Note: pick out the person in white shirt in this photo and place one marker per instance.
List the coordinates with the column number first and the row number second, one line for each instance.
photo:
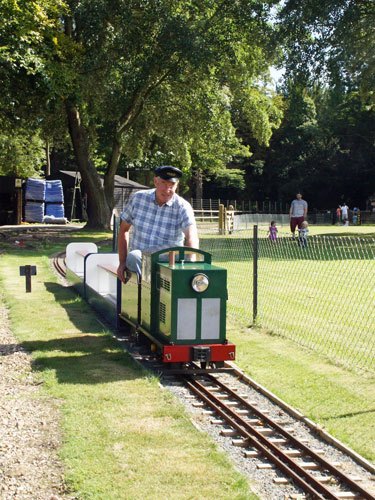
column 303, row 232
column 344, row 213
column 297, row 213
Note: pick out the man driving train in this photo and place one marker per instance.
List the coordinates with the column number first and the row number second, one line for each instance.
column 160, row 218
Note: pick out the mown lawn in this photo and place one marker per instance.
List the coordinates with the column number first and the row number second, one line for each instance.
column 117, row 420
column 124, row 437
column 321, row 296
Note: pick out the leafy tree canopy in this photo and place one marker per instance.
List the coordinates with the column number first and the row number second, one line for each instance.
column 166, row 76
column 28, row 40
column 21, row 154
column 172, row 61
column 137, row 77
column 333, row 39
column 28, row 46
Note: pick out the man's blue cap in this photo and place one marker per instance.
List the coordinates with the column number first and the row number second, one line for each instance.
column 168, row 173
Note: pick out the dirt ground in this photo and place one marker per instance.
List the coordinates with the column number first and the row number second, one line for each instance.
column 32, row 236
column 29, row 428
column 30, row 435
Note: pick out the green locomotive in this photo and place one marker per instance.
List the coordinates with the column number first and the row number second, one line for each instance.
column 180, row 305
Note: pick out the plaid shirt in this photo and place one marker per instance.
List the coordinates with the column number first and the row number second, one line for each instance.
column 155, row 226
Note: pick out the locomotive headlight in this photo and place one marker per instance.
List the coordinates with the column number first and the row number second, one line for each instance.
column 200, row 283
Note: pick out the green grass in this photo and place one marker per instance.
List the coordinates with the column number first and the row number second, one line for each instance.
column 335, row 230
column 115, row 417
column 320, row 297
column 123, row 436
column 340, row 401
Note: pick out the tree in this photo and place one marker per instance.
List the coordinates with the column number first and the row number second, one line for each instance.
column 324, row 147
column 333, row 39
column 22, row 154
column 27, row 50
column 325, row 144
column 136, row 61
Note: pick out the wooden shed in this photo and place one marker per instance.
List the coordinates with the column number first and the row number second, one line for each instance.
column 74, row 193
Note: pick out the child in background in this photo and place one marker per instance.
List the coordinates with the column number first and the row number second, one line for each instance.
column 303, row 232
column 273, row 231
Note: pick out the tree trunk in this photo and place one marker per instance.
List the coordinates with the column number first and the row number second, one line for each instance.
column 98, row 210
column 48, row 160
column 198, row 181
column 109, row 178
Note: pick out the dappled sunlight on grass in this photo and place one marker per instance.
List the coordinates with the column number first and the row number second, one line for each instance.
column 124, row 437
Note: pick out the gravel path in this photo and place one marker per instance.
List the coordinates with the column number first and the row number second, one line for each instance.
column 29, row 428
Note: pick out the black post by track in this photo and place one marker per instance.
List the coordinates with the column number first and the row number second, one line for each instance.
column 116, row 227
column 28, row 271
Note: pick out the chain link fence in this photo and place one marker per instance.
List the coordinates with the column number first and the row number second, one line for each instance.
column 321, row 296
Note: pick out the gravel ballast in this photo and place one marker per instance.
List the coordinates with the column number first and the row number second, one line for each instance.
column 262, row 480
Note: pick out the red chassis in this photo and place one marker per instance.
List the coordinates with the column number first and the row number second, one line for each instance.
column 183, row 353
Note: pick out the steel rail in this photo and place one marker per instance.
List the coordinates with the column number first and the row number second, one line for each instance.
column 318, row 458
column 258, row 441
column 291, row 468
column 300, row 417
column 57, row 265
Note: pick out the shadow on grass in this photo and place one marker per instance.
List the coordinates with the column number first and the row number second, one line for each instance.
column 94, row 357
column 352, row 414
column 80, row 313
column 90, row 369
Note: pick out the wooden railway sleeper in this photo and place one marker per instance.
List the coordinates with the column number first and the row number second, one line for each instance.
column 301, row 477
column 314, row 455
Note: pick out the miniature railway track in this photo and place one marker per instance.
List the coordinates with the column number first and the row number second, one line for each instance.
column 59, row 265
column 269, row 440
column 274, row 442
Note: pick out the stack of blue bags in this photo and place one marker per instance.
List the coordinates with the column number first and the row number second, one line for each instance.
column 35, row 196
column 44, row 201
column 34, row 212
column 35, row 189
column 54, row 199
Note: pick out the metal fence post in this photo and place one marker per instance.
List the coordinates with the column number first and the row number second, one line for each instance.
column 255, row 273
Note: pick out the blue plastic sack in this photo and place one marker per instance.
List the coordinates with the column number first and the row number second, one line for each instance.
column 34, row 211
column 35, row 189
column 55, row 209
column 54, row 191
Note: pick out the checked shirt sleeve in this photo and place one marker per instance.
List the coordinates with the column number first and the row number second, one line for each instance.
column 187, row 215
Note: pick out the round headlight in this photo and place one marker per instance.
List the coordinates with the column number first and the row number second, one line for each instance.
column 200, row 283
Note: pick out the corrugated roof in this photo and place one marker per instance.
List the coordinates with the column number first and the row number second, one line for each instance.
column 119, row 181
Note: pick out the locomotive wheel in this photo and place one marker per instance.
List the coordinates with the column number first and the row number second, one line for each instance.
column 125, row 329
column 142, row 340
column 218, row 364
column 175, row 366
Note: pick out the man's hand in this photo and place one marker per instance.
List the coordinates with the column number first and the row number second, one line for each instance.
column 123, row 273
column 123, row 243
